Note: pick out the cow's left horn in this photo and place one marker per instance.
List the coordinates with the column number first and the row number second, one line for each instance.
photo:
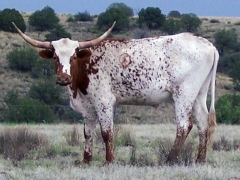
column 33, row 42
column 87, row 44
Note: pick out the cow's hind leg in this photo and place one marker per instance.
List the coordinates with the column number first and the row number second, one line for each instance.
column 206, row 122
column 184, row 125
column 201, row 114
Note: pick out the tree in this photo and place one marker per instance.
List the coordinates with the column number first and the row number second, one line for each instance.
column 57, row 32
column 174, row 14
column 25, row 110
column 7, row 16
column 106, row 19
column 228, row 109
column 22, row 58
column 43, row 69
column 190, row 22
column 128, row 11
column 226, row 41
column 151, row 17
column 43, row 20
column 83, row 16
column 47, row 91
column 171, row 26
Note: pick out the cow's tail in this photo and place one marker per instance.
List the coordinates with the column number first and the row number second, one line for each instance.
column 212, row 123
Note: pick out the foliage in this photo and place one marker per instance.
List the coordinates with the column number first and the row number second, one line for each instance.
column 190, row 22
column 18, row 143
column 57, row 32
column 141, row 33
column 43, row 20
column 174, row 14
column 228, row 109
column 214, row 21
column 106, row 19
column 7, row 16
column 151, row 17
column 83, row 16
column 47, row 91
column 27, row 110
column 171, row 26
column 229, row 64
column 226, row 41
column 22, row 58
column 43, row 69
column 128, row 11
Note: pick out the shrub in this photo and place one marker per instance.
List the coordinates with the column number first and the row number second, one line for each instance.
column 28, row 110
column 43, row 68
column 83, row 16
column 128, row 11
column 228, row 109
column 44, row 20
column 151, row 17
column 47, row 91
column 7, row 16
column 214, row 21
column 106, row 19
column 190, row 22
column 57, row 32
column 18, row 143
column 226, row 41
column 174, row 14
column 171, row 26
column 22, row 59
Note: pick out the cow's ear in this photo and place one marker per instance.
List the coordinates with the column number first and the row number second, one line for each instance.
column 83, row 53
column 46, row 53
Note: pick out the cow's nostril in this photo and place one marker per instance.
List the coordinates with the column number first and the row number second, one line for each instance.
column 63, row 80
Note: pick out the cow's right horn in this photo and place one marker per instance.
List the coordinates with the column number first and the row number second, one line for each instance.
column 33, row 42
column 87, row 44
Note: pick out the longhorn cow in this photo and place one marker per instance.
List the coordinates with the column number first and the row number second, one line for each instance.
column 104, row 72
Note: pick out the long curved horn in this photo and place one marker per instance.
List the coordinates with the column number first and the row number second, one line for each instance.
column 33, row 42
column 87, row 44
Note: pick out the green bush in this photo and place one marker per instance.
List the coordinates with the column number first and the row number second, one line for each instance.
column 83, row 16
column 112, row 14
column 228, row 109
column 7, row 16
column 44, row 20
column 57, row 32
column 171, row 26
column 43, row 68
column 174, row 14
column 226, row 41
column 47, row 91
column 124, row 8
column 28, row 110
column 151, row 17
column 190, row 22
column 214, row 21
column 22, row 59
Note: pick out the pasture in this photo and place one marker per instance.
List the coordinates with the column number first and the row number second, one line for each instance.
column 139, row 154
column 141, row 143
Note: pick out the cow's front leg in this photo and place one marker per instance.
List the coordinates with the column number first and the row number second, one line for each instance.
column 105, row 114
column 89, row 129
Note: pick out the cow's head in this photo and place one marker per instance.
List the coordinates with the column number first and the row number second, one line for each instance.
column 64, row 52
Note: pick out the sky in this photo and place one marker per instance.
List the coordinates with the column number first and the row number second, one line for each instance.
column 223, row 8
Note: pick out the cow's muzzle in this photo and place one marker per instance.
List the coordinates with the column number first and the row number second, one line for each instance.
column 63, row 80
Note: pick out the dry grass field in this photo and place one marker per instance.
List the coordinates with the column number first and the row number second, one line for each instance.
column 140, row 144
column 136, row 159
